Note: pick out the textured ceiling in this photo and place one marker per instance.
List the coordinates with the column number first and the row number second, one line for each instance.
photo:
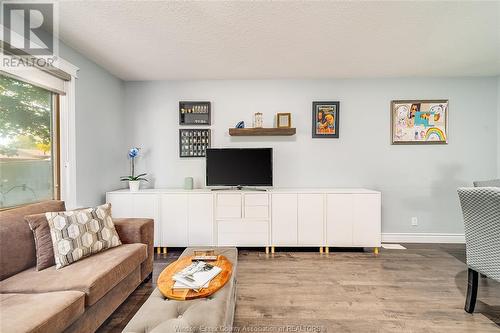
column 152, row 40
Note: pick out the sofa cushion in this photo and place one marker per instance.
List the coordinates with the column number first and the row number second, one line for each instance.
column 95, row 275
column 81, row 233
column 17, row 246
column 43, row 242
column 214, row 313
column 47, row 312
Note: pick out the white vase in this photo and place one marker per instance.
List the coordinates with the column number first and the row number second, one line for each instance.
column 133, row 185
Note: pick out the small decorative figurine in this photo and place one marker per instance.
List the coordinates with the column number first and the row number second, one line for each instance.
column 258, row 120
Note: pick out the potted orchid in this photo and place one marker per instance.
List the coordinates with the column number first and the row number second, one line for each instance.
column 133, row 181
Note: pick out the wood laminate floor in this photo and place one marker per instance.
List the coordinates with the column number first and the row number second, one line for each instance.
column 420, row 289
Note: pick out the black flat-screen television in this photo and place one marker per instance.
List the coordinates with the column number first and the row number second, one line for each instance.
column 239, row 167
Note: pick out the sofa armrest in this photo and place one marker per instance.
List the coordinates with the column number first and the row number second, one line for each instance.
column 138, row 230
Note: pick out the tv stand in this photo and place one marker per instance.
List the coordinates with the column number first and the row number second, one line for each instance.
column 239, row 188
column 280, row 217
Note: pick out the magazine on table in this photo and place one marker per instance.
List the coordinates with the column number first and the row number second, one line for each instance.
column 196, row 276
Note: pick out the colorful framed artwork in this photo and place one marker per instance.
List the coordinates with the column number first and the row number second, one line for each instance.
column 325, row 119
column 419, row 121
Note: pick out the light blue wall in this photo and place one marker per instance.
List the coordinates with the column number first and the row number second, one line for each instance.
column 415, row 180
column 100, row 129
column 420, row 181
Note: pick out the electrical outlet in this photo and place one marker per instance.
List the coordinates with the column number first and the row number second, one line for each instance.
column 414, row 221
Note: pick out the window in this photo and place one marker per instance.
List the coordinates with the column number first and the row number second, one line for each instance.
column 29, row 153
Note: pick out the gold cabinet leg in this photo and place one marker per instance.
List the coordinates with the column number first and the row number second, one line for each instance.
column 272, row 249
column 375, row 250
column 327, row 249
column 267, row 249
column 321, row 249
column 164, row 250
column 158, row 250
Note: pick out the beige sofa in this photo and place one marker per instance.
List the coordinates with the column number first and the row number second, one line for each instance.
column 75, row 298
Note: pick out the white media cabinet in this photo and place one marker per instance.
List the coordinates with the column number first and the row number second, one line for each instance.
column 278, row 217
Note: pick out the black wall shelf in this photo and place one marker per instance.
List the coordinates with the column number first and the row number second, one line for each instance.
column 194, row 113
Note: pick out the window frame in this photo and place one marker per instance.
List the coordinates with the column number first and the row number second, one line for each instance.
column 55, row 145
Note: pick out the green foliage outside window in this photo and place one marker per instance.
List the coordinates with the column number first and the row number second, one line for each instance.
column 26, row 156
column 25, row 117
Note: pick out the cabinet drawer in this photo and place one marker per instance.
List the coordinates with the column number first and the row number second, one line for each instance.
column 229, row 239
column 238, row 226
column 238, row 233
column 228, row 212
column 229, row 200
column 256, row 199
column 252, row 212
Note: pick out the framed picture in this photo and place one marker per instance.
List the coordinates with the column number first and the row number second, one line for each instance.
column 193, row 142
column 419, row 121
column 284, row 120
column 325, row 120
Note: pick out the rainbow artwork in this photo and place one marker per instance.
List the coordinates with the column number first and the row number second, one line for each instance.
column 419, row 121
column 435, row 134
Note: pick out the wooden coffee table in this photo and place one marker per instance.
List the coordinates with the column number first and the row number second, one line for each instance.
column 165, row 282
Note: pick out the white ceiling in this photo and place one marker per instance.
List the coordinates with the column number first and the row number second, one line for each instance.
column 153, row 40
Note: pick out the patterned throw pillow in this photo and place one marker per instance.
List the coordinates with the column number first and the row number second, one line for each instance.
column 80, row 233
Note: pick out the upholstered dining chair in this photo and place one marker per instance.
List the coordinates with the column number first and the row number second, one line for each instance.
column 481, row 213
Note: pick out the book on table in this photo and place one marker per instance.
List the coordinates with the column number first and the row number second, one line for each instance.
column 195, row 276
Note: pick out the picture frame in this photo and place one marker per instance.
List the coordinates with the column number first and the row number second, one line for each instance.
column 325, row 119
column 283, row 120
column 419, row 121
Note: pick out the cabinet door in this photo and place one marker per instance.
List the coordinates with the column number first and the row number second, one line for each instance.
column 174, row 219
column 200, row 223
column 121, row 204
column 284, row 219
column 146, row 206
column 339, row 219
column 310, row 219
column 366, row 220
column 228, row 206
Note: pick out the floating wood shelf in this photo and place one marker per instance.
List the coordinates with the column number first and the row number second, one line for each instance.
column 261, row 131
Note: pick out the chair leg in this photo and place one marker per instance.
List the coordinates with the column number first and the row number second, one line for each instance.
column 470, row 300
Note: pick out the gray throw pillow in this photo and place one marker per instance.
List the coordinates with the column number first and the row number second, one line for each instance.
column 43, row 242
column 81, row 233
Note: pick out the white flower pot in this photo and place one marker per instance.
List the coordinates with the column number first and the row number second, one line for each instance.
column 134, row 185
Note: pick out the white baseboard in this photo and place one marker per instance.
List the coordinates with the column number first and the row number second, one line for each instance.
column 422, row 238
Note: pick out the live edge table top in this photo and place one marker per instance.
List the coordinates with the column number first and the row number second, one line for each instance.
column 165, row 282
